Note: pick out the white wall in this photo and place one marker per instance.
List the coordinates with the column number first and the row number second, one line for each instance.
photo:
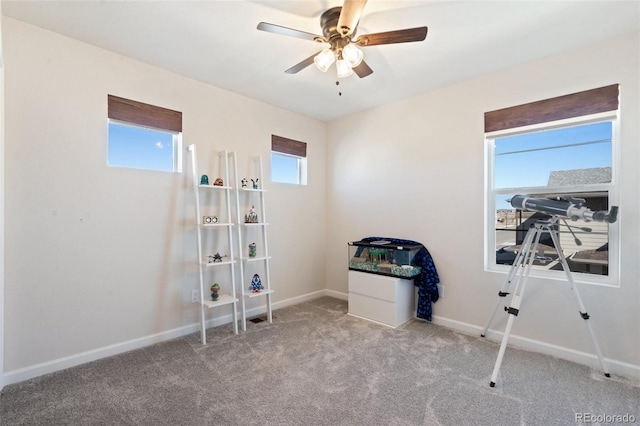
column 99, row 259
column 414, row 170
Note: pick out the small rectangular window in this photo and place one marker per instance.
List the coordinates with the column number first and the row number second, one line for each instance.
column 143, row 136
column 288, row 161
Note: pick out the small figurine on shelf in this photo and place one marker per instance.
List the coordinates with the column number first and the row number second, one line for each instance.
column 244, row 182
column 218, row 182
column 255, row 183
column 215, row 288
column 252, row 250
column 216, row 257
column 252, row 216
column 209, row 220
column 204, row 180
column 256, row 284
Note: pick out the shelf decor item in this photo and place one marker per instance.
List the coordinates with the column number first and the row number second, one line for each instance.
column 256, row 284
column 216, row 257
column 252, row 250
column 255, row 183
column 244, row 182
column 252, row 216
column 204, row 180
column 215, row 289
column 209, row 219
column 218, row 182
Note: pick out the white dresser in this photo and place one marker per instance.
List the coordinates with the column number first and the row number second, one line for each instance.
column 387, row 300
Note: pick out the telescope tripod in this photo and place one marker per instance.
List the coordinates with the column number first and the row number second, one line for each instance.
column 520, row 273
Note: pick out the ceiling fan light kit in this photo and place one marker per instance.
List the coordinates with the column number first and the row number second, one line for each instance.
column 324, row 59
column 343, row 68
column 347, row 58
column 352, row 55
column 339, row 26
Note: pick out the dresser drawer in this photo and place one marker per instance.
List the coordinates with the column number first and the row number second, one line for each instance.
column 387, row 300
column 373, row 309
column 372, row 285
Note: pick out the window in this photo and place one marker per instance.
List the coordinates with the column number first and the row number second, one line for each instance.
column 144, row 136
column 558, row 147
column 288, row 161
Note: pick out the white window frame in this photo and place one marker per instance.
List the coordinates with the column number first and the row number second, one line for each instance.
column 613, row 277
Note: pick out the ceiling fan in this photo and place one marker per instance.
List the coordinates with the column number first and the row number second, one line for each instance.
column 339, row 25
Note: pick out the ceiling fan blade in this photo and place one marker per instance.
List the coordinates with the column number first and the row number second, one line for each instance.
column 362, row 70
column 277, row 29
column 350, row 16
column 301, row 65
column 389, row 37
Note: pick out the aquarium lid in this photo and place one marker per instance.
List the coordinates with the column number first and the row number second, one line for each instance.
column 386, row 244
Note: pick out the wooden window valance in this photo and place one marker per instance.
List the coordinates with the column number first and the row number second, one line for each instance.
column 144, row 114
column 593, row 101
column 288, row 146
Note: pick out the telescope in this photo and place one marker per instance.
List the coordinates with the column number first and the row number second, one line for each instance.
column 567, row 206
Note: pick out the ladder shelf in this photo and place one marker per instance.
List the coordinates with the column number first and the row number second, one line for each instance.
column 252, row 229
column 210, row 233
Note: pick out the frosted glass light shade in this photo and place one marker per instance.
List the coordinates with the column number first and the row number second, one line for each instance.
column 344, row 69
column 352, row 54
column 324, row 59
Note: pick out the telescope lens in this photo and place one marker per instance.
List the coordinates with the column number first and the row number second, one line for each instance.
column 517, row 201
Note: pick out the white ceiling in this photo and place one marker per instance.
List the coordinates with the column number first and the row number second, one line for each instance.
column 217, row 42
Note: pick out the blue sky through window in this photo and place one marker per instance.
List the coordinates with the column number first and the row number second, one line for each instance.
column 141, row 148
column 527, row 160
column 284, row 169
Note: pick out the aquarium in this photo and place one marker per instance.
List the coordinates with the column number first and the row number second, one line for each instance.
column 384, row 257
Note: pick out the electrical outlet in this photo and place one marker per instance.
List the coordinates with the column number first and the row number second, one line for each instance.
column 441, row 291
column 195, row 297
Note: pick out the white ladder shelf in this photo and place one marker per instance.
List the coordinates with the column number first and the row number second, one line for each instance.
column 247, row 196
column 204, row 231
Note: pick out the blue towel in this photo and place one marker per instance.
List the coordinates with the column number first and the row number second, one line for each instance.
column 428, row 280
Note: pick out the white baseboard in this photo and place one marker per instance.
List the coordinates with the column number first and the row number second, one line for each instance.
column 620, row 368
column 296, row 300
column 59, row 364
column 337, row 294
column 26, row 373
column 36, row 370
